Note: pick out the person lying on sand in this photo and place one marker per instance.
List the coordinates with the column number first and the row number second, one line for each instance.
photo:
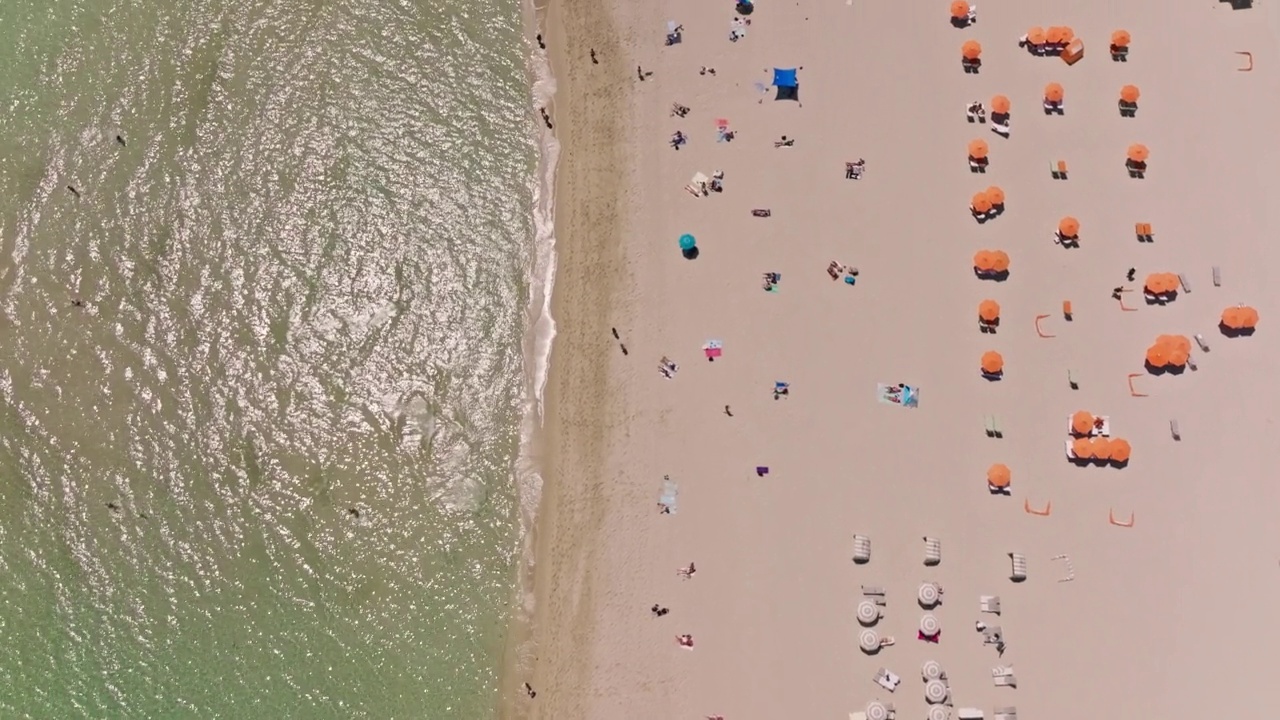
column 687, row 572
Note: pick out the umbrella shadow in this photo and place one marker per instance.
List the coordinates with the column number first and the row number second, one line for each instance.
column 992, row 275
column 1002, row 491
column 992, row 377
column 691, row 254
column 1164, row 299
column 1137, row 170
column 1234, row 332
column 1119, row 464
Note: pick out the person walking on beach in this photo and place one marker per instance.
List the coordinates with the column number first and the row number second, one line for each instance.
column 528, row 689
column 727, row 411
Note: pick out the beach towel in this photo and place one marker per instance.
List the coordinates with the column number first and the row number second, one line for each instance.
column 713, row 348
column 891, row 394
column 669, row 492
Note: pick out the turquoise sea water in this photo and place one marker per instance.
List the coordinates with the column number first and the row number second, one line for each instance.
column 304, row 280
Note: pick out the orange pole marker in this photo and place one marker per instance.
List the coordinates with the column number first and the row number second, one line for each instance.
column 1249, row 56
column 1048, row 508
column 1133, row 392
column 1124, row 307
column 1038, row 330
column 1111, row 518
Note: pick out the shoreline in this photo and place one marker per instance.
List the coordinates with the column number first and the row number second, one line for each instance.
column 566, row 450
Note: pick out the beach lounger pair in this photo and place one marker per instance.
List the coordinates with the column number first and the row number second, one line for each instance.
column 1019, row 569
column 1006, row 713
column 993, row 426
column 1003, row 676
column 989, row 604
column 932, row 551
column 887, row 680
column 968, row 713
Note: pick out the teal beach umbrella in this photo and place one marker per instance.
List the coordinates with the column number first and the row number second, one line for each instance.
column 687, row 242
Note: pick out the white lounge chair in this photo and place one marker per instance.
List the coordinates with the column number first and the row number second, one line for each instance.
column 861, row 549
column 932, row 551
column 1204, row 346
column 1006, row 681
column 1019, row 571
column 1006, row 713
column 967, row 713
column 993, row 635
column 875, row 593
column 1174, row 431
column 1001, row 130
column 990, row 604
column 1217, row 276
column 1001, row 671
column 887, row 680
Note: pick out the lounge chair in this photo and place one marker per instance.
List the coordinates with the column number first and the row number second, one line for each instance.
column 1006, row 713
column 1071, row 379
column 989, row 604
column 990, row 422
column 1204, row 347
column 1217, row 276
column 932, row 551
column 875, row 593
column 992, row 635
column 861, row 549
column 1006, row 681
column 1001, row 130
column 1002, row 671
column 1144, row 232
column 1058, row 169
column 1019, row 571
column 1186, row 286
column 887, row 680
column 968, row 713
column 1173, row 430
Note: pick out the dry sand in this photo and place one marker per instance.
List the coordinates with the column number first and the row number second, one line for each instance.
column 1166, row 619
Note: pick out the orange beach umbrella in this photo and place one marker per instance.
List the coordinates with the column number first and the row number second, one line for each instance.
column 1059, row 35
column 1120, row 450
column 1000, row 104
column 1158, row 355
column 992, row 362
column 1082, row 422
column 1066, row 34
column 1101, row 448
column 996, row 195
column 1178, row 357
column 1181, row 343
column 978, row 149
column 1119, row 38
column 1053, row 92
column 1138, row 152
column 999, row 475
column 980, row 203
column 959, row 9
column 989, row 310
column 971, row 49
column 1035, row 36
column 1082, row 448
column 1068, row 226
column 999, row 260
column 983, row 260
column 1240, row 317
column 1161, row 283
column 1129, row 93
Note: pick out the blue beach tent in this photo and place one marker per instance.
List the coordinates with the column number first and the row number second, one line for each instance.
column 788, row 87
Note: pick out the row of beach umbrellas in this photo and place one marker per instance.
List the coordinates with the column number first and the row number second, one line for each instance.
column 1037, row 36
column 1115, row 450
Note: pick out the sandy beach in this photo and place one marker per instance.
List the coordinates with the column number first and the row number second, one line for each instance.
column 1158, row 618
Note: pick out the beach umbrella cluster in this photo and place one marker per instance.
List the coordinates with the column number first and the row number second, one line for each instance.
column 1161, row 286
column 990, row 263
column 1101, row 450
column 1238, row 320
column 1168, row 352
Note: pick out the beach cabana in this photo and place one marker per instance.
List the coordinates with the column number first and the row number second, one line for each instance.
column 999, row 477
column 992, row 365
column 1238, row 320
column 788, row 85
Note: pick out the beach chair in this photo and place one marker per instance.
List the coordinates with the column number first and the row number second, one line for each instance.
column 1143, row 231
column 1002, row 671
column 1058, row 169
column 1137, row 170
column 1071, row 379
column 977, row 166
column 989, row 604
column 887, row 680
column 861, row 549
column 990, row 422
column 1217, row 276
column 1001, row 130
column 875, row 593
column 992, row 636
column 1173, row 430
column 1204, row 347
column 1182, row 279
column 932, row 551
column 968, row 713
column 1019, row 570
column 1006, row 713
column 1006, row 681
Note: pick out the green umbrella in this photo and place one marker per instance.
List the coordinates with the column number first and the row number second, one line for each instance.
column 687, row 242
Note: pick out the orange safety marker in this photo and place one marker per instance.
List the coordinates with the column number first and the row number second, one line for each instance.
column 1133, row 392
column 1123, row 306
column 1248, row 55
column 1048, row 508
column 1038, row 330
column 1111, row 518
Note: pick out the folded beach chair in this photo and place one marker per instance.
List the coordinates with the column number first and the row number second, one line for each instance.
column 1006, row 713
column 1019, row 571
column 989, row 604
column 887, row 680
column 861, row 549
column 932, row 551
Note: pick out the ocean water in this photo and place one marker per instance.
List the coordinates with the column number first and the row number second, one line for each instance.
column 261, row 382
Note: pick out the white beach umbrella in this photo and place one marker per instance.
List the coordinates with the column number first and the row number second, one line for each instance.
column 869, row 640
column 931, row 670
column 868, row 613
column 877, row 711
column 928, row 594
column 929, row 625
column 935, row 691
column 939, row 712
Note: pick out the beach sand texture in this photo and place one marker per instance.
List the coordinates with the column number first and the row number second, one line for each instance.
column 1160, row 618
